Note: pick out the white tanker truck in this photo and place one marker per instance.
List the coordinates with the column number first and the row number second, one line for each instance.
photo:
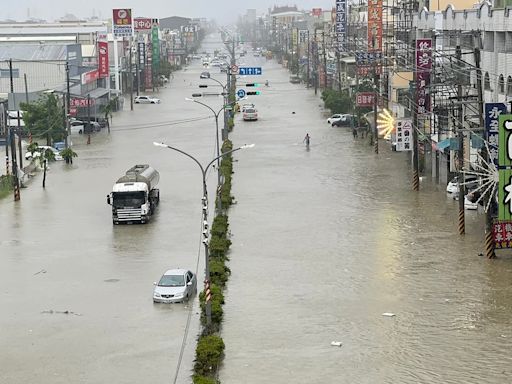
column 134, row 196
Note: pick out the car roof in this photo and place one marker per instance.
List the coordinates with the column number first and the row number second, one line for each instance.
column 177, row 271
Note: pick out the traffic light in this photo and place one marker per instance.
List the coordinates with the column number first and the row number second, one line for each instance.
column 252, row 85
column 252, row 93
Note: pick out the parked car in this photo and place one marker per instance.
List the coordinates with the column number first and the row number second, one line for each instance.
column 204, row 75
column 469, row 181
column 345, row 121
column 40, row 150
column 295, row 79
column 76, row 127
column 146, row 100
column 91, row 127
column 175, row 285
column 250, row 114
column 334, row 118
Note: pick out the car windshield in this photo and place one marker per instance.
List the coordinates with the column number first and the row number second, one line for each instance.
column 172, row 281
column 128, row 199
column 250, row 110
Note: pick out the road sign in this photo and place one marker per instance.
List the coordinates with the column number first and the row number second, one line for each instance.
column 234, row 68
column 240, row 93
column 250, row 71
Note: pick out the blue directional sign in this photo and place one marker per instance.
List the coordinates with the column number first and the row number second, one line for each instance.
column 240, row 93
column 250, row 71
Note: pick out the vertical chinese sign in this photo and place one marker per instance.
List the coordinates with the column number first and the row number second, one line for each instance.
column 403, row 135
column 341, row 24
column 155, row 42
column 423, row 69
column 103, row 66
column 122, row 22
column 374, row 25
column 492, row 114
column 505, row 168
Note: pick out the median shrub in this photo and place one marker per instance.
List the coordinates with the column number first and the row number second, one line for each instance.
column 219, row 273
column 209, row 352
column 198, row 379
column 6, row 185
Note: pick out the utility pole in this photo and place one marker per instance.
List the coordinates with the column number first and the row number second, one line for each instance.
column 325, row 59
column 130, row 73
column 375, row 100
column 309, row 49
column 68, row 104
column 489, row 240
column 338, row 67
column 460, row 152
column 5, row 115
column 415, row 159
column 13, row 145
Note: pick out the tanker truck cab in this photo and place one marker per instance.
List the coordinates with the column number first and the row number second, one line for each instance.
column 134, row 197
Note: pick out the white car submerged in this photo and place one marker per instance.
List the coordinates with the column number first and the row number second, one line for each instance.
column 175, row 285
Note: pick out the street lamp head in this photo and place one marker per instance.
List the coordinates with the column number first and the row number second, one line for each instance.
column 247, row 146
column 159, row 144
column 189, row 99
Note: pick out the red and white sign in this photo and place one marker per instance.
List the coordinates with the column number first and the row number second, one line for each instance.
column 234, row 69
column 77, row 103
column 142, row 24
column 122, row 22
column 103, row 67
column 502, row 232
column 423, row 69
column 89, row 77
column 365, row 99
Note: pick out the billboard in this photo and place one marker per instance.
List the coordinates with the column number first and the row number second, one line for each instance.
column 142, row 24
column 365, row 99
column 122, row 22
column 74, row 58
column 341, row 24
column 423, row 69
column 155, row 42
column 492, row 114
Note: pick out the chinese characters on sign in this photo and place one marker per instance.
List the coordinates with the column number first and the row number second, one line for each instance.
column 502, row 232
column 76, row 102
column 156, row 46
column 374, row 25
column 492, row 114
column 423, row 69
column 341, row 24
column 505, row 167
column 403, row 135
column 364, row 99
column 122, row 22
column 141, row 53
column 142, row 24
column 103, row 66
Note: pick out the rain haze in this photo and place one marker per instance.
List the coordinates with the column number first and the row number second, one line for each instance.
column 222, row 10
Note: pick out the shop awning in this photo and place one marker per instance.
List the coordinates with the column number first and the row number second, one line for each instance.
column 443, row 144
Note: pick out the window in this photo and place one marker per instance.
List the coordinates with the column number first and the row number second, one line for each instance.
column 509, row 86
column 501, row 84
column 487, row 82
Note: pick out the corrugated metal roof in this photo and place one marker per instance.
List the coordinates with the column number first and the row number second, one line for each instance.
column 33, row 52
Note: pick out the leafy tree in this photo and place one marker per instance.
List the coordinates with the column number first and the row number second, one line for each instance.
column 44, row 118
column 337, row 102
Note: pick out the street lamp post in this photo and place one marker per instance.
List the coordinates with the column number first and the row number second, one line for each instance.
column 204, row 200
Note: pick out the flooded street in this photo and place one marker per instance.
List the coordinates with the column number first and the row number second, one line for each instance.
column 325, row 241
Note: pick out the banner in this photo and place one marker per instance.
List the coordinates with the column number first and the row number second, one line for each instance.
column 492, row 114
column 103, row 67
column 341, row 24
column 295, row 38
column 404, row 135
column 122, row 22
column 89, row 77
column 505, row 168
column 141, row 54
column 423, row 69
column 375, row 25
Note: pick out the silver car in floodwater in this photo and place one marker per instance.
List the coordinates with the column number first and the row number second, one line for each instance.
column 175, row 285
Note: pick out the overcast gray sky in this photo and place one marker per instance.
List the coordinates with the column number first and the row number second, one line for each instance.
column 222, row 10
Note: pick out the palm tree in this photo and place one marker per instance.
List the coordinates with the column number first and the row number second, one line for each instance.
column 68, row 155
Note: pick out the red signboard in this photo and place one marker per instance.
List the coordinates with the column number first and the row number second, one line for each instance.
column 502, row 232
column 375, row 25
column 76, row 102
column 367, row 70
column 365, row 99
column 89, row 77
column 122, row 16
column 103, row 67
column 142, row 24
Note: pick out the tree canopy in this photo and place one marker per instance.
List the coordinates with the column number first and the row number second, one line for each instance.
column 44, row 118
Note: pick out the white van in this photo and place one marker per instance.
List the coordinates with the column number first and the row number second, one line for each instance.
column 76, row 126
